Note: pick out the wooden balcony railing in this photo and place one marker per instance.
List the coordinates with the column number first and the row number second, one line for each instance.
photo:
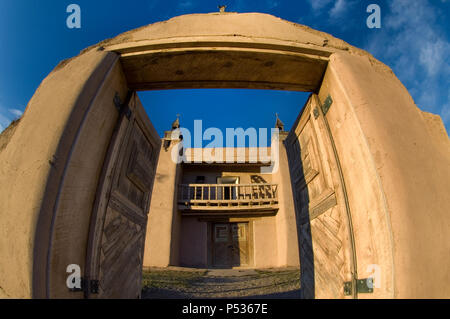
column 214, row 196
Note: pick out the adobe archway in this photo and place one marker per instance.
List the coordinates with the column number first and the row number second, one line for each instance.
column 393, row 157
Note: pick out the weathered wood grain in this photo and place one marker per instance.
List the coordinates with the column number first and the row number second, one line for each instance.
column 321, row 221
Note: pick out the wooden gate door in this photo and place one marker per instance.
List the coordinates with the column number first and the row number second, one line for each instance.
column 327, row 260
column 118, row 225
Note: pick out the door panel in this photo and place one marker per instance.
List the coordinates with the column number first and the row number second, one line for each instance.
column 326, row 253
column 221, row 243
column 119, row 219
column 230, row 245
column 240, row 251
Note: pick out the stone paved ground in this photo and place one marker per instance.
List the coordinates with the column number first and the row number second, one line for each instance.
column 187, row 283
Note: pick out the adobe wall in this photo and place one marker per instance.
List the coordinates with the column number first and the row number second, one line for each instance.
column 287, row 243
column 78, row 189
column 33, row 166
column 193, row 242
column 161, row 242
column 397, row 175
column 265, row 243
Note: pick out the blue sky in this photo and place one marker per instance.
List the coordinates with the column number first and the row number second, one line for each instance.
column 414, row 40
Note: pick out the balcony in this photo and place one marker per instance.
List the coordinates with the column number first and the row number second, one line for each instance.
column 225, row 199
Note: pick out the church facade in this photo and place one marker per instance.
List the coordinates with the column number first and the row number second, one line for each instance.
column 222, row 214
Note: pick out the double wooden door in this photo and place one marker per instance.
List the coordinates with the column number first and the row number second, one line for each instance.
column 230, row 245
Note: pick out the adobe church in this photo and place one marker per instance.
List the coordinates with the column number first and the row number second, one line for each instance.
column 360, row 200
column 219, row 209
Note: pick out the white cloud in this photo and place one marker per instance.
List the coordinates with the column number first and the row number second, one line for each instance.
column 7, row 116
column 339, row 8
column 317, row 5
column 413, row 43
column 445, row 113
column 16, row 112
column 433, row 56
column 4, row 121
column 335, row 11
column 405, row 14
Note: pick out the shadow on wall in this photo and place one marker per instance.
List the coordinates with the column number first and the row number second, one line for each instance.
column 257, row 179
column 301, row 203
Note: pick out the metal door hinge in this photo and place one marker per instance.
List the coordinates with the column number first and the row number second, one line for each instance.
column 92, row 285
column 122, row 107
column 348, row 288
column 117, row 102
column 363, row 286
column 327, row 104
column 316, row 113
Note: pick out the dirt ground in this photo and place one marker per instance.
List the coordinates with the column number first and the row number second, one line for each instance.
column 187, row 283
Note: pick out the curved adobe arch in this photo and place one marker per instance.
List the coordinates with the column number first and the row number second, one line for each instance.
column 394, row 158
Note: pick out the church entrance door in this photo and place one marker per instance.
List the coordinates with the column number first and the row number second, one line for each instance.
column 230, row 245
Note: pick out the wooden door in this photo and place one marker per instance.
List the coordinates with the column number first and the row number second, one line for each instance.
column 230, row 245
column 240, row 244
column 323, row 218
column 119, row 219
column 221, row 244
